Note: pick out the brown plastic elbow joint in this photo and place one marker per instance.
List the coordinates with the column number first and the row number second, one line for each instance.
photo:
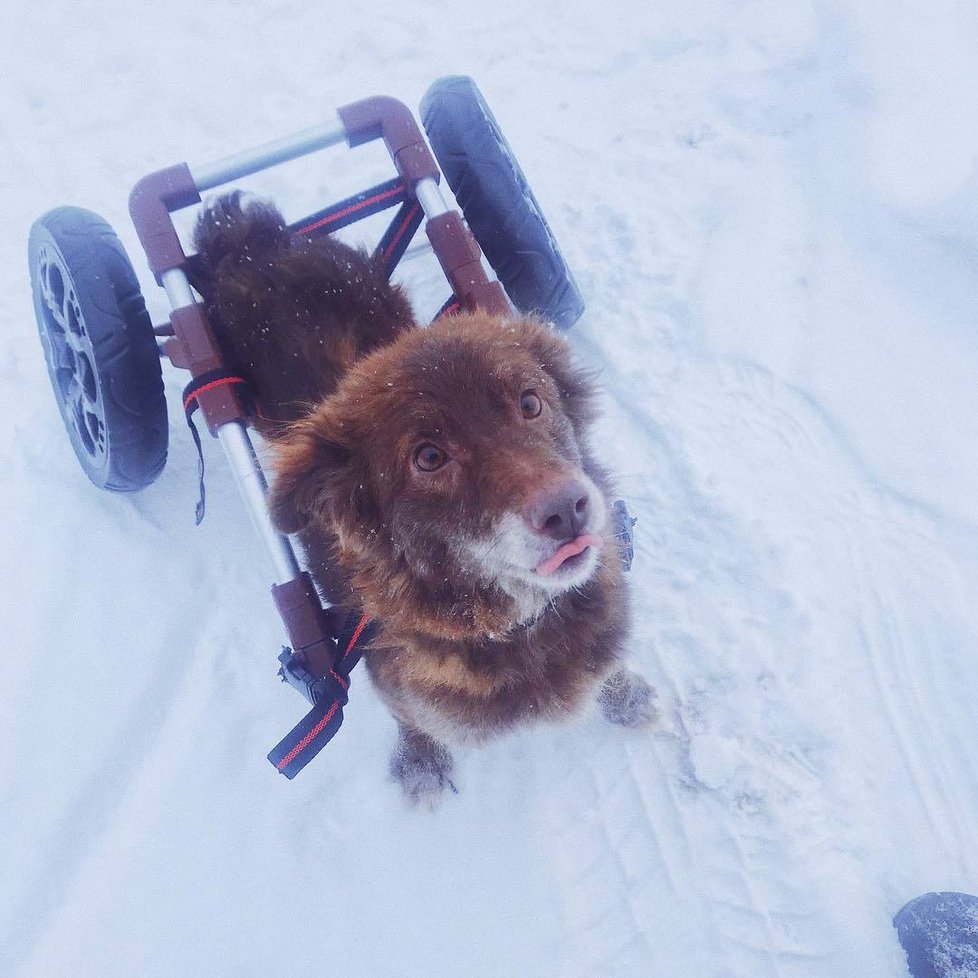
column 150, row 204
column 382, row 117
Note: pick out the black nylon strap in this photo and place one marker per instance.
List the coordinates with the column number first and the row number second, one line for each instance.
column 449, row 308
column 399, row 234
column 352, row 209
column 318, row 727
column 190, row 404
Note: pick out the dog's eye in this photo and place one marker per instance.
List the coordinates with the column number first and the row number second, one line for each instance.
column 429, row 458
column 530, row 404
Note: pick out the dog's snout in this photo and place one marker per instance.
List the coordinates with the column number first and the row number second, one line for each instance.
column 561, row 513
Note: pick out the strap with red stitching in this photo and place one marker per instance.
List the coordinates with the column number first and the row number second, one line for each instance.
column 355, row 208
column 308, row 737
column 399, row 235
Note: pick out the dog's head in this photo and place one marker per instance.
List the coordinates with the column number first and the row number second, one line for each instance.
column 453, row 462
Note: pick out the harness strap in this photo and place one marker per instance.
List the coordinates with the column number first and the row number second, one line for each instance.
column 202, row 383
column 398, row 235
column 352, row 209
column 308, row 737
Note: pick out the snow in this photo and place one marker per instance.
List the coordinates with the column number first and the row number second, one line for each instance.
column 772, row 211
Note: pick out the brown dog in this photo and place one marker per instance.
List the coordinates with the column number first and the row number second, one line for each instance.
column 439, row 478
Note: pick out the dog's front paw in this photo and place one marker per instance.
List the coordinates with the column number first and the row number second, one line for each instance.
column 627, row 700
column 423, row 768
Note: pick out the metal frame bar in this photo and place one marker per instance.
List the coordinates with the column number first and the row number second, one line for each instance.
column 430, row 197
column 240, row 453
column 282, row 150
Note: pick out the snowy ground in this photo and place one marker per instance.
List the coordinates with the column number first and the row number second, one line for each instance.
column 772, row 208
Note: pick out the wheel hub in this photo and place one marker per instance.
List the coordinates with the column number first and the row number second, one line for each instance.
column 68, row 349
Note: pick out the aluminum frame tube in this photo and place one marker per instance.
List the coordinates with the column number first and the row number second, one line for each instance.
column 178, row 289
column 430, row 197
column 211, row 175
column 240, row 453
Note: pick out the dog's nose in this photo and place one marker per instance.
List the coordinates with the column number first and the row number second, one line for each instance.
column 561, row 513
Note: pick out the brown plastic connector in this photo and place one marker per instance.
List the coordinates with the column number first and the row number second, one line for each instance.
column 194, row 348
column 309, row 626
column 192, row 345
column 382, row 117
column 150, row 204
column 461, row 261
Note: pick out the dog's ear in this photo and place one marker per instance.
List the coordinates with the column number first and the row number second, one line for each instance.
column 576, row 384
column 311, row 462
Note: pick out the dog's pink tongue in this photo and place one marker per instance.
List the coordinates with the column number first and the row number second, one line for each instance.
column 569, row 550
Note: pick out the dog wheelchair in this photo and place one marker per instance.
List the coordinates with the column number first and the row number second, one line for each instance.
column 104, row 354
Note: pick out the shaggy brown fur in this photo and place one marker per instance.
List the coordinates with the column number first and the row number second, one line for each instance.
column 292, row 315
column 427, row 472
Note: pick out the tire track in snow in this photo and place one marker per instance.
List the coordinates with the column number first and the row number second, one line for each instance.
column 644, row 879
column 724, row 870
column 790, row 931
column 616, row 864
column 864, row 629
column 904, row 682
column 901, row 595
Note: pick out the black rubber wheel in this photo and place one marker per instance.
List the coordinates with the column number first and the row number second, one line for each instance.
column 100, row 348
column 498, row 204
column 939, row 932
